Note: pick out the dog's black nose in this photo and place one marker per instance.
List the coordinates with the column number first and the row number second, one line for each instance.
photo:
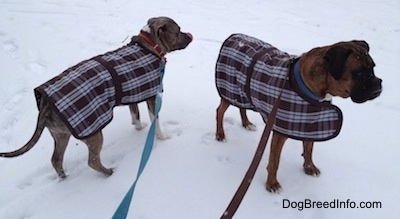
column 190, row 36
column 377, row 84
column 377, row 88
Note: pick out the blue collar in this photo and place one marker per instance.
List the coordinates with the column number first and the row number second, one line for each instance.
column 303, row 87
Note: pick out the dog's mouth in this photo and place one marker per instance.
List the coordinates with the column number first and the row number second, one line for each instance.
column 372, row 96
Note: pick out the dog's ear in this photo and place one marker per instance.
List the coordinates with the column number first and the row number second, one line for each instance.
column 362, row 43
column 157, row 26
column 154, row 24
column 335, row 58
column 161, row 29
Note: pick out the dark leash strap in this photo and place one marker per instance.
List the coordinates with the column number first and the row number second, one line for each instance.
column 241, row 191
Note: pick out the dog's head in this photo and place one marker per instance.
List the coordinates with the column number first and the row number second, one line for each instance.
column 350, row 64
column 167, row 33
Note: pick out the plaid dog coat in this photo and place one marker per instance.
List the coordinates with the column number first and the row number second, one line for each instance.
column 250, row 74
column 84, row 95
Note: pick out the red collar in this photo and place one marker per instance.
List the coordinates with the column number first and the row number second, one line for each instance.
column 145, row 36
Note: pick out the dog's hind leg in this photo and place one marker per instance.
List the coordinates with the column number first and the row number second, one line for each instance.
column 221, row 109
column 309, row 167
column 95, row 144
column 246, row 122
column 60, row 144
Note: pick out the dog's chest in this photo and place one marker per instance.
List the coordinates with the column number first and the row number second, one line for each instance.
column 85, row 94
column 250, row 74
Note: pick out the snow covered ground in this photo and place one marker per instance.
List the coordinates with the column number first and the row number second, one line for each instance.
column 191, row 175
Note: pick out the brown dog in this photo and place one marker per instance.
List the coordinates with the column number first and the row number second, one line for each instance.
column 250, row 74
column 80, row 101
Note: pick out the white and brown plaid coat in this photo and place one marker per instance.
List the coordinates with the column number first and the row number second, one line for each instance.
column 84, row 95
column 250, row 73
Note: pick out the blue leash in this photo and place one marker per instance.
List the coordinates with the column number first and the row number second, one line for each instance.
column 123, row 208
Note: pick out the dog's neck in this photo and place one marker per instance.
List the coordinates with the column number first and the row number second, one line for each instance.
column 304, row 87
column 314, row 77
column 301, row 84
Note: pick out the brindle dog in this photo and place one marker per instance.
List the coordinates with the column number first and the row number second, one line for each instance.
column 344, row 69
column 163, row 36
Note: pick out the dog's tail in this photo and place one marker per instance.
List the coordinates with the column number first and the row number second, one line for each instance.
column 35, row 137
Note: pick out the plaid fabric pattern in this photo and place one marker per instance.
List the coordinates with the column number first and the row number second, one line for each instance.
column 250, row 74
column 84, row 95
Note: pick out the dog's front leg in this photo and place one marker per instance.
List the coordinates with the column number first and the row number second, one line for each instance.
column 309, row 167
column 134, row 109
column 277, row 143
column 151, row 103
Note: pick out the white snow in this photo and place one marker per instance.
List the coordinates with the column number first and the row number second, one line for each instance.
column 191, row 175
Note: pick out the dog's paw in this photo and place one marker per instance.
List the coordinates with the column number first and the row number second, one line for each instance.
column 273, row 186
column 162, row 136
column 139, row 125
column 220, row 139
column 109, row 171
column 61, row 174
column 105, row 171
column 311, row 169
column 220, row 136
column 251, row 127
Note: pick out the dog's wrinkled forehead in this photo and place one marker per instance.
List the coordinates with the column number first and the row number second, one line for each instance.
column 360, row 50
column 345, row 58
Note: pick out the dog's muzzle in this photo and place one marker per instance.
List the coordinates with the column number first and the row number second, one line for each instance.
column 183, row 41
column 366, row 89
